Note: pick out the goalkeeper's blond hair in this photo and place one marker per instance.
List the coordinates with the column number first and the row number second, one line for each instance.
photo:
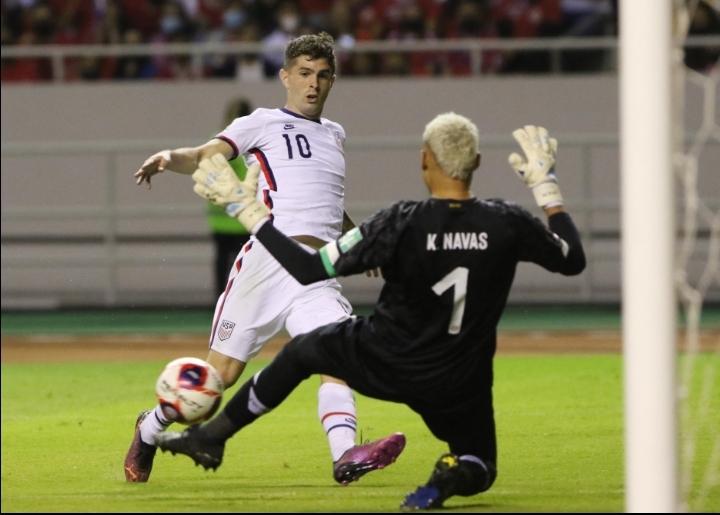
column 454, row 140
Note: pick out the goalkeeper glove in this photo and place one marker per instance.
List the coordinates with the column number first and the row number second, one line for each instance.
column 216, row 181
column 538, row 172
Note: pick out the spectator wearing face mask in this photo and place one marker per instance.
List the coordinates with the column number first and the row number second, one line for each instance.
column 175, row 27
column 287, row 28
column 233, row 21
column 173, row 20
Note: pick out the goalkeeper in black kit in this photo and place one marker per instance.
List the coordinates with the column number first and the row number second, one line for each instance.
column 448, row 263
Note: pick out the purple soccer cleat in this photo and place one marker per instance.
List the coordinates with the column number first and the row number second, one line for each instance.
column 361, row 459
column 140, row 456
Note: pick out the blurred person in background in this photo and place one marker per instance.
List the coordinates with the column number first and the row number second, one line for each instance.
column 134, row 67
column 175, row 27
column 587, row 18
column 12, row 69
column 264, row 12
column 228, row 234
column 41, row 24
column 74, row 21
column 317, row 12
column 340, row 22
column 369, row 25
column 363, row 64
column 705, row 22
column 394, row 64
column 13, row 19
column 237, row 25
column 144, row 15
column 527, row 19
column 470, row 19
column 288, row 21
column 37, row 27
column 234, row 20
column 249, row 67
column 112, row 24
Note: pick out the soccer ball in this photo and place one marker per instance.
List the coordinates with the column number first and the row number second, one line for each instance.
column 189, row 390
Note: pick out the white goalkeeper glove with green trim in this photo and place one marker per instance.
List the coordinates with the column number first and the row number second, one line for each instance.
column 538, row 172
column 216, row 181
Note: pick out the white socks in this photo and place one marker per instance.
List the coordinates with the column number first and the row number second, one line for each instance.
column 336, row 409
column 154, row 423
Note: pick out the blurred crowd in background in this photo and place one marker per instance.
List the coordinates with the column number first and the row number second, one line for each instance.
column 276, row 22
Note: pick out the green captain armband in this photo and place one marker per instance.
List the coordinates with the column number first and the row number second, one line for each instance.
column 330, row 253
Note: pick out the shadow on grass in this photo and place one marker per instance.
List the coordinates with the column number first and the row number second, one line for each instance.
column 475, row 506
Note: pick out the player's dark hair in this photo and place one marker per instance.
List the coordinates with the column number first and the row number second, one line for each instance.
column 318, row 46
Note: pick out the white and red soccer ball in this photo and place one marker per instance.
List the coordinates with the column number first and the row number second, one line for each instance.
column 189, row 390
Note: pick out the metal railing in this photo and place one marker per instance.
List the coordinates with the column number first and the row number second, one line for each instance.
column 199, row 51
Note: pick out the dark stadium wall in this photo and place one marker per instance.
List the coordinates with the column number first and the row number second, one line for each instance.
column 193, row 111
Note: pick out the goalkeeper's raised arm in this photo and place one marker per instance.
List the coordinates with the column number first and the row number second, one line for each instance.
column 181, row 160
column 538, row 172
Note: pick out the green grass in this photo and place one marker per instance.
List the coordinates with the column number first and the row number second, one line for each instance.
column 66, row 428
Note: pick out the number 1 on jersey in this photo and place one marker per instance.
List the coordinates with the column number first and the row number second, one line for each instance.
column 457, row 278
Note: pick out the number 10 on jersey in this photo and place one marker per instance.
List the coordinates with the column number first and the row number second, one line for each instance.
column 303, row 146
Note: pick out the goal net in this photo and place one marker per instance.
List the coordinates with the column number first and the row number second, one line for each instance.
column 670, row 221
column 696, row 163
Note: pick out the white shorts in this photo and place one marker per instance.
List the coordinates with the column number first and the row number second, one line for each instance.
column 261, row 298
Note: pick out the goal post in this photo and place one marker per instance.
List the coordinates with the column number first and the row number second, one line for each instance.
column 648, row 249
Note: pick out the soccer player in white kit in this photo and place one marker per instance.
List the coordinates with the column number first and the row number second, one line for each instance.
column 302, row 163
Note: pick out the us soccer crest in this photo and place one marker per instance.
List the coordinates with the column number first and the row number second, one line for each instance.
column 226, row 329
column 338, row 139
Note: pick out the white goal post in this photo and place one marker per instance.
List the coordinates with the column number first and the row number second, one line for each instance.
column 648, row 250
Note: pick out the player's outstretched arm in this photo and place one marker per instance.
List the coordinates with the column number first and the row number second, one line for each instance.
column 180, row 160
column 215, row 181
column 305, row 266
column 538, row 172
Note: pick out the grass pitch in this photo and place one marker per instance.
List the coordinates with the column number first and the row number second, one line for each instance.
column 66, row 428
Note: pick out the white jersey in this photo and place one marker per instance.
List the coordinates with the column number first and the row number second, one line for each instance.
column 303, row 168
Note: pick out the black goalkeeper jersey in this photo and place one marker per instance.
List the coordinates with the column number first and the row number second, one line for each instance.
column 448, row 267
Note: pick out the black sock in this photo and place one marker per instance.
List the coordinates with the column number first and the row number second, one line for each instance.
column 466, row 478
column 272, row 385
column 232, row 418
